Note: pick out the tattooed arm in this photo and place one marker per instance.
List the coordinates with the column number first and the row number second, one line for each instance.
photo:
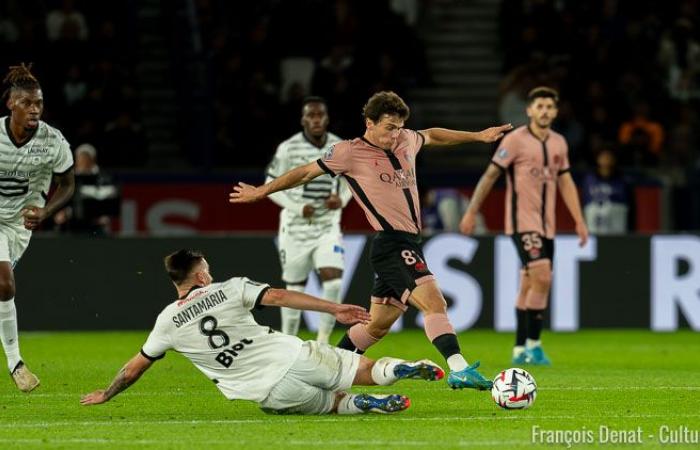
column 127, row 376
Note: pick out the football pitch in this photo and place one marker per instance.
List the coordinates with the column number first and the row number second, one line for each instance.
column 603, row 385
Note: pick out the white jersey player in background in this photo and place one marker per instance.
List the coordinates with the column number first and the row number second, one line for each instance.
column 32, row 154
column 309, row 230
column 212, row 326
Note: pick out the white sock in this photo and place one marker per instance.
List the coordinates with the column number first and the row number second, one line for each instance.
column 517, row 350
column 331, row 292
column 531, row 343
column 291, row 318
column 457, row 362
column 383, row 371
column 347, row 405
column 8, row 333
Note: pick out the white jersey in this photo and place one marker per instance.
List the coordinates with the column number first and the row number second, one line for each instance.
column 26, row 169
column 298, row 151
column 213, row 328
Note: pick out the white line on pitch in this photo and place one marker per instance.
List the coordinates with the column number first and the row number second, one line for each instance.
column 305, row 443
column 314, row 419
column 541, row 388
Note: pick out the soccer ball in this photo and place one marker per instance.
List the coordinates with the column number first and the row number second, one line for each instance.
column 514, row 389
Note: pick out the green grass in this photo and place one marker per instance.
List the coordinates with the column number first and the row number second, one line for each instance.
column 618, row 379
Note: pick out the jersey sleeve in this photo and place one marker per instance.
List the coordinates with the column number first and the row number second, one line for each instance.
column 337, row 160
column 157, row 342
column 249, row 292
column 416, row 139
column 506, row 153
column 279, row 164
column 64, row 158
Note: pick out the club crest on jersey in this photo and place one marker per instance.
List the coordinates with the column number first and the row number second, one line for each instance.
column 503, row 153
column 329, row 154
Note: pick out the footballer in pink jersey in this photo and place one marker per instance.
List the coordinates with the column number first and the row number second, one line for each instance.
column 536, row 163
column 380, row 168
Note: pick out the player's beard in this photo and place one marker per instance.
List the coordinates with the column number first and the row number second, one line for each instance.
column 544, row 123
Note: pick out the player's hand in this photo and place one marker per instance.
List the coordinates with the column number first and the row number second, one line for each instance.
column 467, row 224
column 333, row 202
column 308, row 211
column 582, row 231
column 245, row 193
column 93, row 398
column 494, row 133
column 351, row 314
column 33, row 216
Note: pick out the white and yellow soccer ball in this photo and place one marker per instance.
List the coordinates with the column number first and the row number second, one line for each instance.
column 514, row 389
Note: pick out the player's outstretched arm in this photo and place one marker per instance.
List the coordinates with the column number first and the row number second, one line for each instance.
column 246, row 193
column 482, row 190
column 344, row 313
column 569, row 193
column 443, row 136
column 127, row 376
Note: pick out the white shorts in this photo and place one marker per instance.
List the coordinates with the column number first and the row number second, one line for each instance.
column 310, row 385
column 299, row 257
column 14, row 240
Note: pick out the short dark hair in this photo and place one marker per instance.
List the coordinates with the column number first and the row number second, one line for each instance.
column 542, row 92
column 385, row 102
column 179, row 265
column 20, row 78
column 313, row 99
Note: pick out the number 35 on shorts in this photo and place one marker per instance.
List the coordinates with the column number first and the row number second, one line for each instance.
column 412, row 258
column 532, row 243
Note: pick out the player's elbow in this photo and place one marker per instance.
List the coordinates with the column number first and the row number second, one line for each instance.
column 274, row 297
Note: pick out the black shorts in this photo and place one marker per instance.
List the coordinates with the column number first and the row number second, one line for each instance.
column 399, row 266
column 532, row 247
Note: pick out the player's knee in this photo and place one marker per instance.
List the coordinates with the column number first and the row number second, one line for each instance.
column 433, row 305
column 543, row 278
column 378, row 330
column 7, row 289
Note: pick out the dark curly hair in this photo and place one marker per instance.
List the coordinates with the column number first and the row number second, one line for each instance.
column 385, row 102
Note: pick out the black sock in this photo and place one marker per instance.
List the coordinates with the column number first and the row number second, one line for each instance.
column 347, row 344
column 535, row 318
column 521, row 327
column 447, row 345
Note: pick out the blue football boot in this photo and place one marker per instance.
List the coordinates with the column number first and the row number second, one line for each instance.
column 420, row 370
column 382, row 404
column 521, row 359
column 536, row 357
column 469, row 378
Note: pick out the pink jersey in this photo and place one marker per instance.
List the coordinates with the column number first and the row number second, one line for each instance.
column 532, row 167
column 383, row 182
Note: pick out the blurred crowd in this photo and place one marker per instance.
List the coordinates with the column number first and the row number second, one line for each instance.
column 265, row 56
column 628, row 72
column 83, row 57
